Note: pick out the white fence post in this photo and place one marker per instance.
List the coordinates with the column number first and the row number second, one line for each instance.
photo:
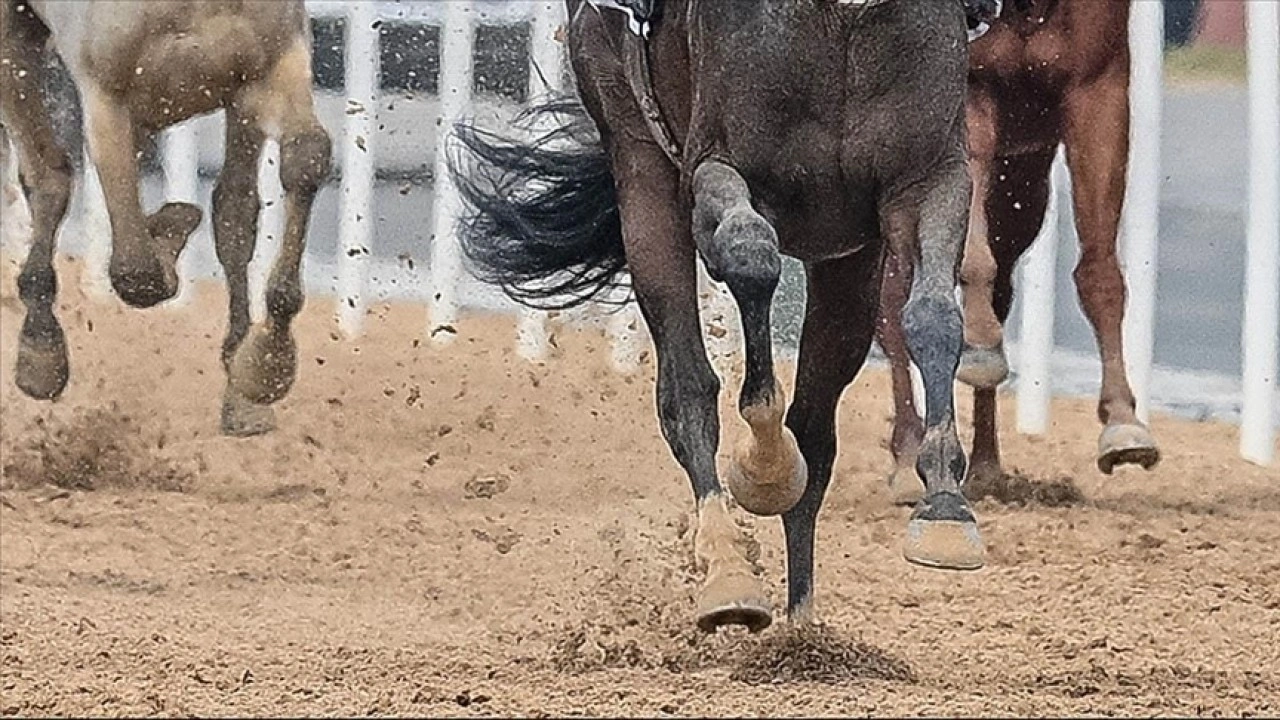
column 1262, row 263
column 546, row 61
column 270, row 228
column 15, row 214
column 95, row 226
column 181, row 159
column 1035, row 342
column 456, row 39
column 1142, row 201
column 355, row 220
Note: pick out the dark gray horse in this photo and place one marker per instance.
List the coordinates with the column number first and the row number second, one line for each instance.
column 736, row 131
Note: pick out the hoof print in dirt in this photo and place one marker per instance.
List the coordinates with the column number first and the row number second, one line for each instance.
column 486, row 486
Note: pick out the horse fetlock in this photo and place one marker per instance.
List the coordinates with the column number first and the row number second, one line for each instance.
column 284, row 301
column 142, row 280
column 42, row 368
column 265, row 364
column 305, row 160
column 37, row 285
column 768, row 474
column 983, row 367
column 943, row 534
column 941, row 461
column 905, row 486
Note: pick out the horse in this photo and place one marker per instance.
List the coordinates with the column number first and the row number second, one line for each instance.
column 1048, row 72
column 738, row 132
column 141, row 66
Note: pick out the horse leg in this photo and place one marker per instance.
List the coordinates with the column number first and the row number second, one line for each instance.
column 927, row 223
column 660, row 254
column 767, row 474
column 1015, row 211
column 42, row 368
column 236, row 204
column 840, row 319
column 982, row 362
column 264, row 365
column 1097, row 140
column 144, row 249
column 905, row 487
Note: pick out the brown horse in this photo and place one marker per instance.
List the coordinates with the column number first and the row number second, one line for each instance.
column 141, row 66
column 1048, row 72
column 735, row 132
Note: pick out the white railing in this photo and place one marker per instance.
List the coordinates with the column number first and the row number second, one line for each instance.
column 1140, row 230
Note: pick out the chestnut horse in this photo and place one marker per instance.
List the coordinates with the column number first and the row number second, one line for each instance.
column 735, row 132
column 1048, row 72
column 141, row 66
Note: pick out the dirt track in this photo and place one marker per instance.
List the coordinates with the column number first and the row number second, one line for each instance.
column 366, row 558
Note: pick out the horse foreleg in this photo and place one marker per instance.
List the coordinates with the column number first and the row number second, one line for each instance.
column 905, row 487
column 928, row 224
column 42, row 368
column 1015, row 210
column 660, row 254
column 236, row 204
column 1097, row 140
column 767, row 475
column 982, row 363
column 839, row 322
column 264, row 365
column 144, row 249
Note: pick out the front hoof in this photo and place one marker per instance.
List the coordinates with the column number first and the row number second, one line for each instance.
column 768, row 485
column 905, row 486
column 264, row 366
column 735, row 599
column 171, row 226
column 983, row 368
column 243, row 418
column 42, row 368
column 1127, row 444
column 943, row 534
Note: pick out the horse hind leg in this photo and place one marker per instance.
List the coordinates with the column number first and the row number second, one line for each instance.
column 264, row 365
column 905, row 486
column 942, row 531
column 767, row 475
column 42, row 368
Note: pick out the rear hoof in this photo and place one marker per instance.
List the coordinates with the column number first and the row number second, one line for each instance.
column 733, row 600
column 905, row 486
column 144, row 287
column 769, row 486
column 171, row 226
column 983, row 368
column 983, row 480
column 244, row 418
column 264, row 366
column 943, row 534
column 1128, row 444
column 42, row 368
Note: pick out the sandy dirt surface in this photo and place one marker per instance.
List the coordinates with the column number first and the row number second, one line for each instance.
column 455, row 531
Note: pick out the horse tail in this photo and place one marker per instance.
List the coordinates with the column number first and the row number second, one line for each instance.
column 542, row 220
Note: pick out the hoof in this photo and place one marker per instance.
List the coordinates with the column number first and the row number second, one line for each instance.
column 905, row 486
column 982, row 368
column 172, row 225
column 42, row 367
column 943, row 534
column 244, row 418
column 768, row 486
column 264, row 366
column 734, row 600
column 983, row 479
column 1126, row 445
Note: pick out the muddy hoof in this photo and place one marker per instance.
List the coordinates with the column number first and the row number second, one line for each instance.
column 768, row 486
column 943, row 534
column 1126, row 445
column 982, row 367
column 716, row 610
column 172, row 225
column 42, row 368
column 264, row 366
column 905, row 486
column 243, row 418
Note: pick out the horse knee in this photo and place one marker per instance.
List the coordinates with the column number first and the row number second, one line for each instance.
column 305, row 160
column 744, row 254
column 49, row 190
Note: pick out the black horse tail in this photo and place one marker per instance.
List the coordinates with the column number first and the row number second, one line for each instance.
column 542, row 221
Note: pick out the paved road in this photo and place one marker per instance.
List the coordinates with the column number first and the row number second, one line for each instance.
column 1201, row 259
